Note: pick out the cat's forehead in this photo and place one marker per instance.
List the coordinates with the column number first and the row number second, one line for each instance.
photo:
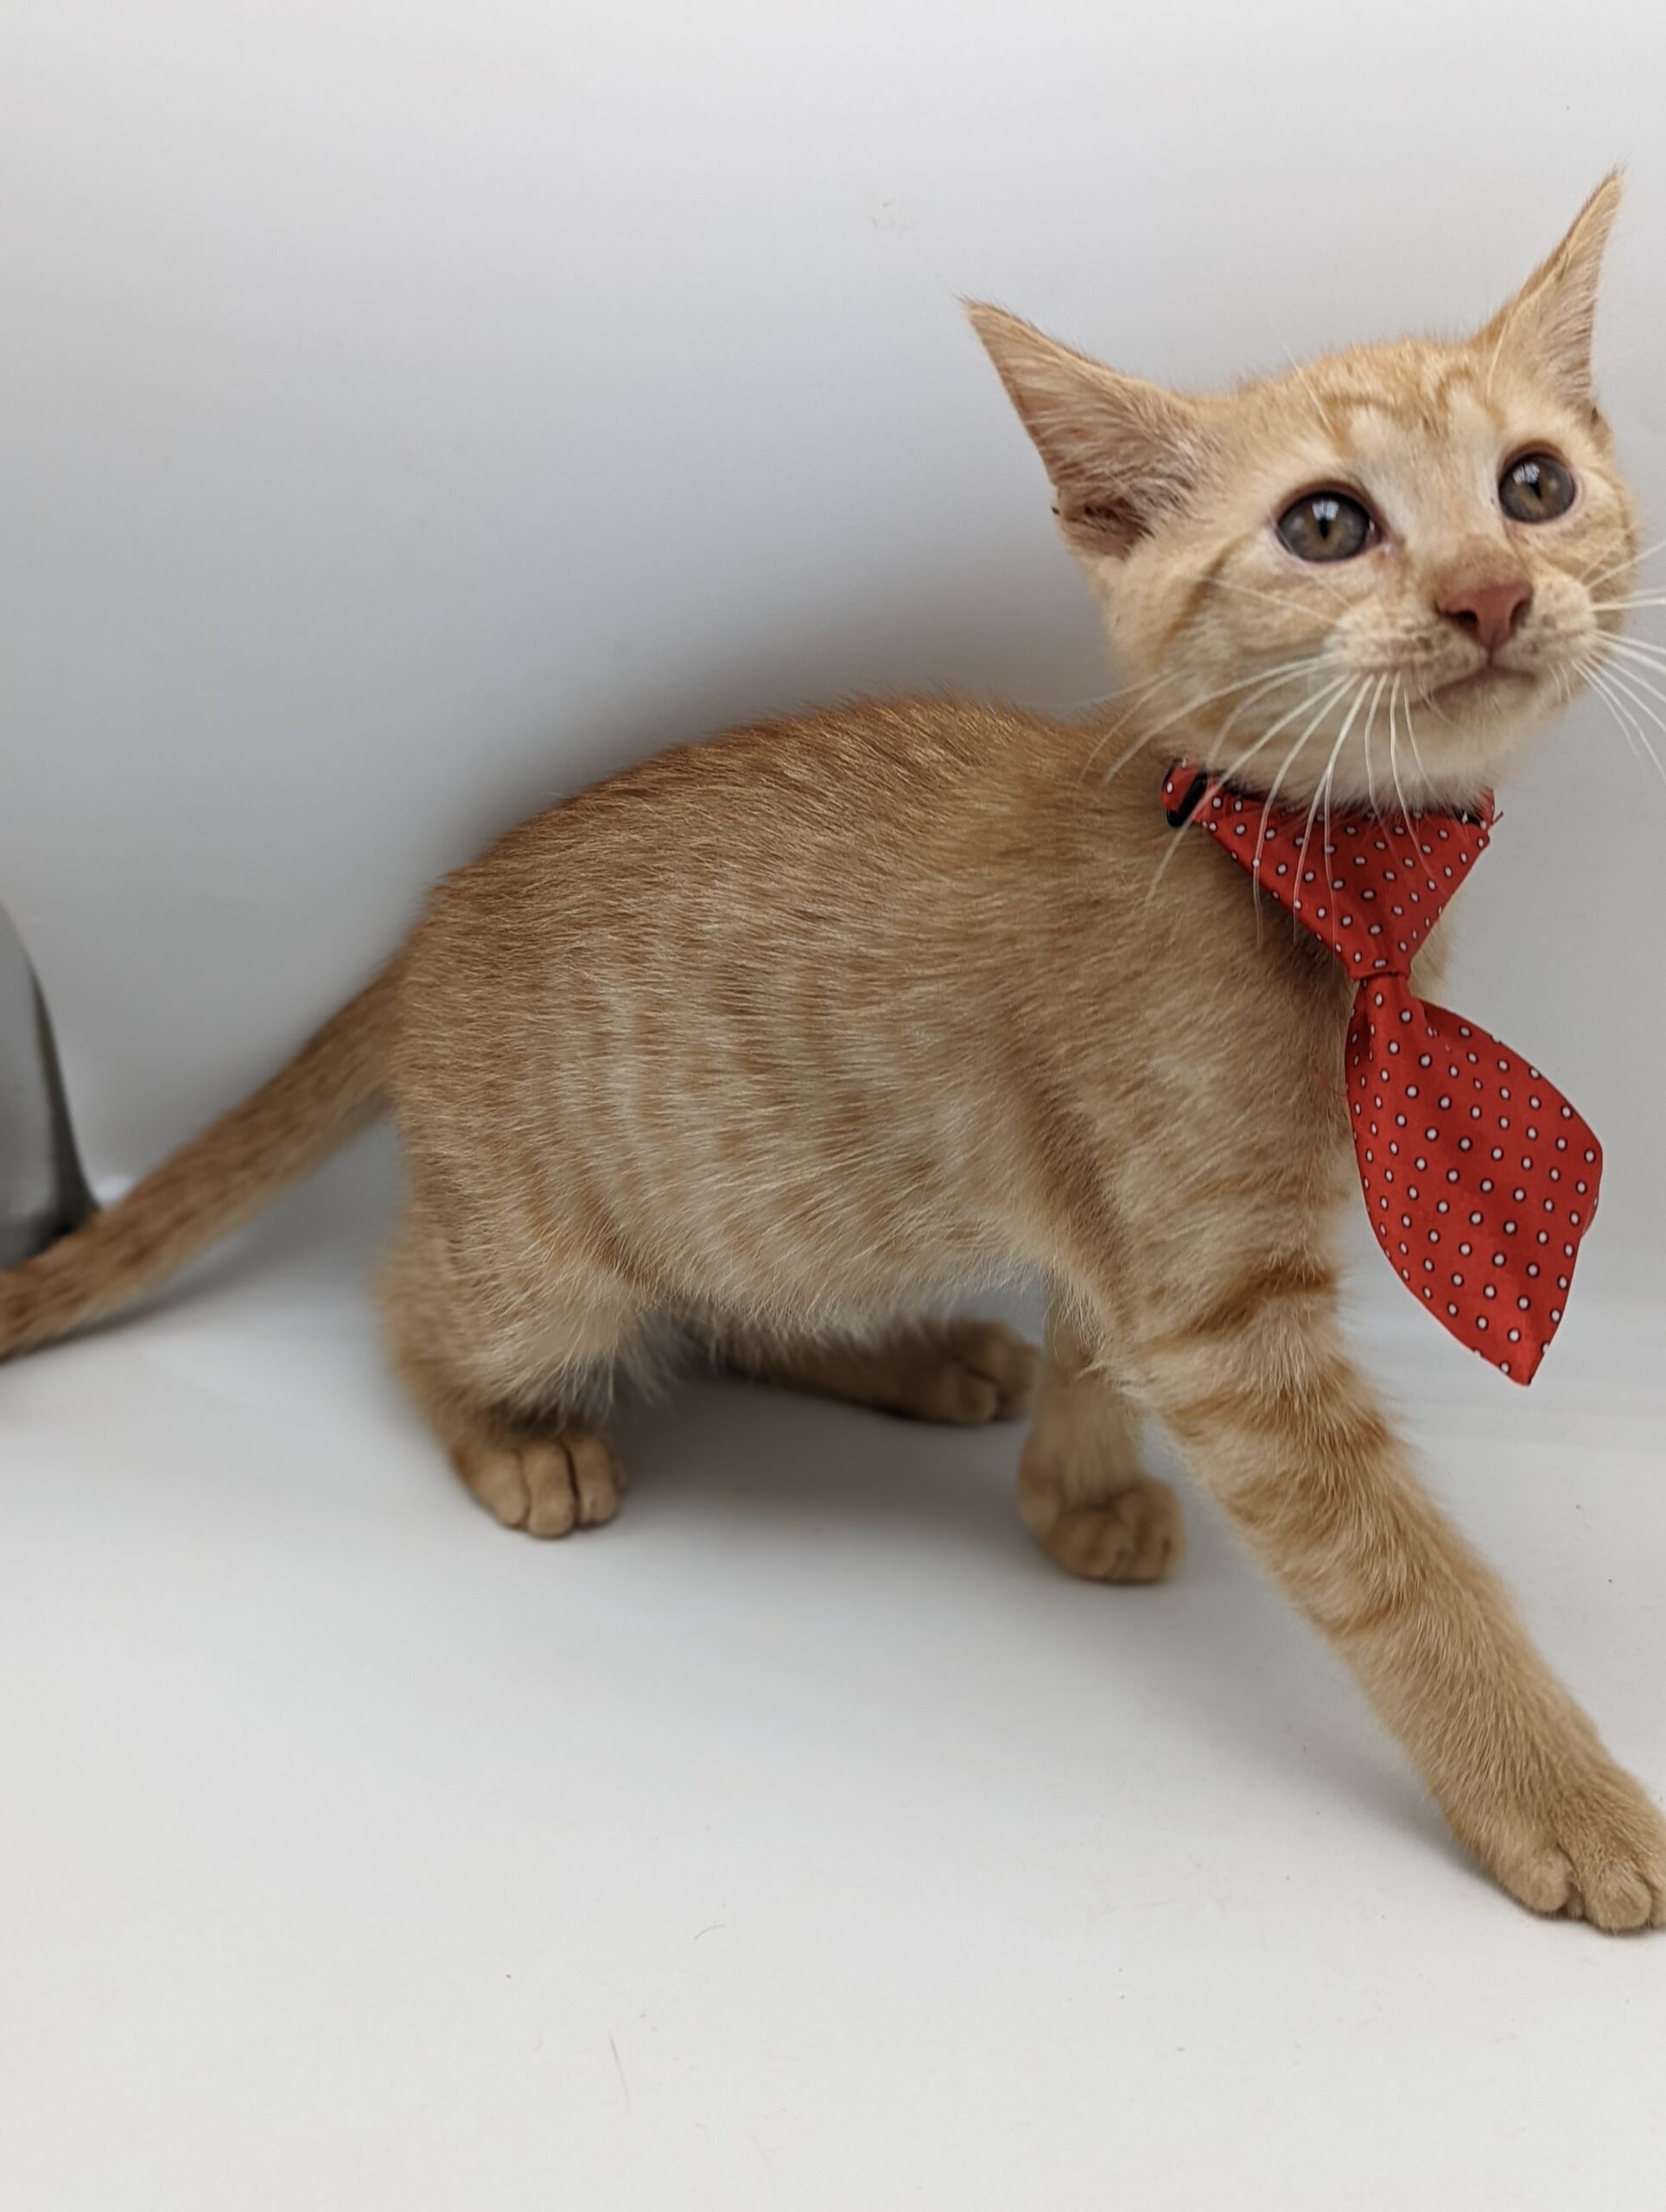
column 1416, row 415
column 1413, row 388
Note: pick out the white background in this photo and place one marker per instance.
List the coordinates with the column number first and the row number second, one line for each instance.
column 407, row 413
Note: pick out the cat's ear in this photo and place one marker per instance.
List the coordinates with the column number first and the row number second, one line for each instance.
column 1546, row 327
column 1122, row 453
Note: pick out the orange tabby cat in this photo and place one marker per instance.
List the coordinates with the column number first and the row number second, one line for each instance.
column 780, row 1041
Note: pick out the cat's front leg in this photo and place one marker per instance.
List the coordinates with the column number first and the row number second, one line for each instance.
column 1251, row 1377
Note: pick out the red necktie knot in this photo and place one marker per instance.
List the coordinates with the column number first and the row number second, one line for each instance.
column 1371, row 886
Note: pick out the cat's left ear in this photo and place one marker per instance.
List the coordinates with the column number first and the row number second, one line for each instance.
column 1546, row 327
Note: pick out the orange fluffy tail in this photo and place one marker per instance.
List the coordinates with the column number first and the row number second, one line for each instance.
column 329, row 1091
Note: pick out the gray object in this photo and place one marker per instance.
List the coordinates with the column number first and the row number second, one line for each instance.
column 43, row 1191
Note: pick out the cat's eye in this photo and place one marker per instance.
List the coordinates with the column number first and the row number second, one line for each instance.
column 1326, row 526
column 1535, row 489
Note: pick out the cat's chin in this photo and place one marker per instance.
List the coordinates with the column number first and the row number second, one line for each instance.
column 1481, row 730
column 1485, row 735
column 1506, row 689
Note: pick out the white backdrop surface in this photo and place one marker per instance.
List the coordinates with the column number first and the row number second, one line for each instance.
column 409, row 412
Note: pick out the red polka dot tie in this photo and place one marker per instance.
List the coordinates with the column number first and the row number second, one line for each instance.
column 1480, row 1178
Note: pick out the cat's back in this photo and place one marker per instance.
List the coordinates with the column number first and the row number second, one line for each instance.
column 869, row 818
column 942, row 848
column 918, row 918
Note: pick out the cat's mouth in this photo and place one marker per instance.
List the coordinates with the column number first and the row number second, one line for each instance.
column 1489, row 680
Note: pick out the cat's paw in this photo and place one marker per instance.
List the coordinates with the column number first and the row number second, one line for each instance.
column 547, row 1486
column 1136, row 1536
column 1592, row 1847
column 965, row 1372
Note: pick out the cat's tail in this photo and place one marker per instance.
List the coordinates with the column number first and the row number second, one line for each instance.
column 329, row 1091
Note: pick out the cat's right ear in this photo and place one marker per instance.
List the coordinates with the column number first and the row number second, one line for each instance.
column 1122, row 453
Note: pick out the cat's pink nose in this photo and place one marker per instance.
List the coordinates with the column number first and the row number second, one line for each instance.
column 1489, row 612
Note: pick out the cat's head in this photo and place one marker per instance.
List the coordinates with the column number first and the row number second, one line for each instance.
column 1392, row 562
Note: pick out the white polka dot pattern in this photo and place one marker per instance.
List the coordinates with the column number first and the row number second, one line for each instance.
column 1481, row 1179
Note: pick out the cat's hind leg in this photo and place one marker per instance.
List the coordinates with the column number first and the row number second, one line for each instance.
column 1084, row 1494
column 964, row 1372
column 515, row 1379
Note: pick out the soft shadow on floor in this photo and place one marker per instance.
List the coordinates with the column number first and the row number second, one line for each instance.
column 1229, row 1669
column 1216, row 1649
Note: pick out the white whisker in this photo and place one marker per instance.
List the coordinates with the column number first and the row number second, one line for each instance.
column 1326, row 698
column 1253, row 684
column 1370, row 724
column 1330, row 766
column 1626, row 686
column 1231, row 774
column 1122, row 759
column 1417, row 750
column 1365, row 749
column 1139, row 696
column 1626, row 561
column 1637, row 648
column 1634, row 681
column 1393, row 764
column 1623, row 720
column 1319, row 662
column 1337, row 692
column 1273, row 598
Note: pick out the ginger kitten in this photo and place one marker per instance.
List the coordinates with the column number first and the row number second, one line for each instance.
column 777, row 1043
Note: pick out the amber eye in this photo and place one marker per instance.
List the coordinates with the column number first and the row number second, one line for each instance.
column 1535, row 489
column 1326, row 526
